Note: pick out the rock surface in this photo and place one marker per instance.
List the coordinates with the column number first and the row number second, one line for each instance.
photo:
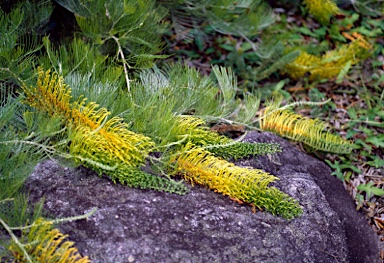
column 134, row 225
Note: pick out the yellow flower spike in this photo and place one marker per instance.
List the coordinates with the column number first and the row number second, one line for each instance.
column 199, row 166
column 332, row 62
column 296, row 127
column 93, row 136
column 50, row 95
column 47, row 245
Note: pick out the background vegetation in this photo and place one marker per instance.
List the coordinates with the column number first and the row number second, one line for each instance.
column 138, row 58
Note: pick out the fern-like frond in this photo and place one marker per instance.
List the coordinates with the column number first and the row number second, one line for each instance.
column 16, row 160
column 322, row 10
column 247, row 185
column 45, row 244
column 79, row 57
column 109, row 144
column 331, row 63
column 220, row 145
column 309, row 131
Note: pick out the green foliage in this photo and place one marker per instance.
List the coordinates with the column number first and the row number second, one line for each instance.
column 107, row 146
column 19, row 31
column 195, row 157
column 364, row 126
column 128, row 29
column 239, row 18
column 79, row 57
column 17, row 159
column 341, row 167
column 155, row 100
column 369, row 8
column 370, row 190
column 16, row 211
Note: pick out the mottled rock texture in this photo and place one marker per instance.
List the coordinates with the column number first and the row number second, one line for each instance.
column 146, row 226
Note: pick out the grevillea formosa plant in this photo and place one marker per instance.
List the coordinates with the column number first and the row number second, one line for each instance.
column 332, row 62
column 107, row 146
column 200, row 161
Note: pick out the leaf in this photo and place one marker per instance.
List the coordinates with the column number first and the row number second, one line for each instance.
column 362, row 143
column 370, row 190
column 377, row 162
column 352, row 113
column 343, row 72
column 378, row 141
column 279, row 85
column 306, row 31
column 337, row 172
column 340, row 167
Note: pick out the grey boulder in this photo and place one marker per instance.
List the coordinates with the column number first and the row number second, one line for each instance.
column 133, row 225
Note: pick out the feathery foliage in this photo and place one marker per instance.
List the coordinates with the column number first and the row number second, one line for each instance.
column 197, row 159
column 45, row 244
column 296, row 127
column 17, row 158
column 239, row 18
column 198, row 165
column 155, row 100
column 110, row 41
column 15, row 212
column 79, row 57
column 128, row 29
column 19, row 39
column 88, row 125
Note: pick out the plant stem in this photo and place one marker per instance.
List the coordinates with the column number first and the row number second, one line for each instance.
column 125, row 64
column 16, row 240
